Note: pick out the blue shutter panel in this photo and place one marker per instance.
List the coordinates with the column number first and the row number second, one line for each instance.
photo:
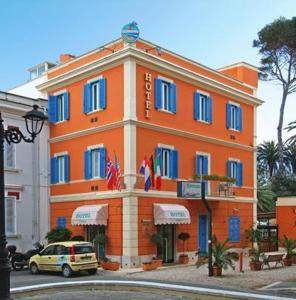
column 239, row 119
column 234, row 229
column 228, row 115
column 205, row 165
column 67, row 167
column 53, row 170
column 52, row 109
column 158, row 86
column 229, row 163
column 158, row 154
column 102, row 162
column 174, row 164
column 173, row 98
column 61, row 222
column 196, row 106
column 87, row 164
column 87, row 98
column 66, row 106
column 197, row 164
column 103, row 94
column 209, row 109
column 239, row 171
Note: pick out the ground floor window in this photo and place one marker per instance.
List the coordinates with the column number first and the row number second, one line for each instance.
column 94, row 234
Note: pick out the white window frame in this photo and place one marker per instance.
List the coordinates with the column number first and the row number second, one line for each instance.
column 203, row 107
column 165, row 153
column 209, row 166
column 165, row 95
column 95, row 153
column 11, row 198
column 95, row 101
column 60, row 107
column 233, row 115
column 61, row 168
column 233, row 172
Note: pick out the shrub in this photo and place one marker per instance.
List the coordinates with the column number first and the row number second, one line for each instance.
column 58, row 235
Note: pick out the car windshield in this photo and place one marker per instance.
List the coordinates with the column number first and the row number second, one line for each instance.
column 83, row 249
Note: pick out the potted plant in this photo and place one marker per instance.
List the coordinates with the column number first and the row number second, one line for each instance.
column 149, row 266
column 255, row 262
column 294, row 258
column 254, row 236
column 58, row 235
column 156, row 238
column 222, row 257
column 107, row 264
column 290, row 246
column 183, row 258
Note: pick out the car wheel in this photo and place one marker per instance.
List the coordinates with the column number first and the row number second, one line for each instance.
column 92, row 271
column 34, row 269
column 67, row 271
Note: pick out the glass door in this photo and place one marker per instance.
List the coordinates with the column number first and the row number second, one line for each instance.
column 167, row 249
column 92, row 231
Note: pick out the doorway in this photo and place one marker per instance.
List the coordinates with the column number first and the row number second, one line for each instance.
column 202, row 235
column 167, row 249
column 92, row 231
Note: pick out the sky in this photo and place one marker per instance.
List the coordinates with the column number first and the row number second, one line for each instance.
column 215, row 33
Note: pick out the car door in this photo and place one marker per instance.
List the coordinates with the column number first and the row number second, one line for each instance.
column 47, row 259
column 62, row 254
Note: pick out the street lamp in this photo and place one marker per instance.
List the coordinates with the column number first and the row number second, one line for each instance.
column 34, row 122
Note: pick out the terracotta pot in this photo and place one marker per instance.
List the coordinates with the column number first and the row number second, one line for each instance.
column 183, row 259
column 251, row 251
column 294, row 259
column 255, row 265
column 110, row 265
column 157, row 262
column 149, row 266
column 217, row 271
column 287, row 262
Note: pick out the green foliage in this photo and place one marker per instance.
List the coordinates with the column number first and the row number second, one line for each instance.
column 284, row 185
column 78, row 238
column 290, row 157
column 184, row 236
column 58, row 235
column 253, row 235
column 289, row 245
column 266, row 198
column 221, row 255
column 267, row 156
column 214, row 177
column 156, row 238
column 101, row 239
column 292, row 140
column 257, row 254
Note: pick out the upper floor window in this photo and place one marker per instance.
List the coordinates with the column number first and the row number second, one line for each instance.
column 201, row 164
column 94, row 95
column 9, row 155
column 60, row 169
column 58, row 107
column 235, row 170
column 168, row 160
column 95, row 163
column 10, row 215
column 234, row 117
column 202, row 107
column 165, row 95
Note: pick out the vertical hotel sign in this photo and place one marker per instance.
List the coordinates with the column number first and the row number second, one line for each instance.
column 148, row 88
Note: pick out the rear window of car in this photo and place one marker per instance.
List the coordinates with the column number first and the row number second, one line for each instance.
column 84, row 249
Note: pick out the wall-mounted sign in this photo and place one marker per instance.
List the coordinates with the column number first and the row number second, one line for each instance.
column 148, row 88
column 130, row 32
column 189, row 189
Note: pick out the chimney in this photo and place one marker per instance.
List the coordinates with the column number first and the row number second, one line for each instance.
column 66, row 57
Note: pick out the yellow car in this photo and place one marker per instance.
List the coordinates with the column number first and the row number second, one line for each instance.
column 65, row 257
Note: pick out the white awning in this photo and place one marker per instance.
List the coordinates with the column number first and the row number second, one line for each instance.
column 171, row 214
column 90, row 215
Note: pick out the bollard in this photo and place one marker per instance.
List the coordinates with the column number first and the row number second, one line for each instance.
column 241, row 255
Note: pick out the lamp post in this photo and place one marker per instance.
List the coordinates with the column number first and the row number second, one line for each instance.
column 34, row 122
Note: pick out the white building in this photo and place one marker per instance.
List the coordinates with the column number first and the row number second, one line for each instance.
column 26, row 176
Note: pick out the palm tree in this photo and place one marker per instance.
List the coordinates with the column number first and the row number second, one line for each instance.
column 291, row 126
column 266, row 198
column 290, row 157
column 267, row 156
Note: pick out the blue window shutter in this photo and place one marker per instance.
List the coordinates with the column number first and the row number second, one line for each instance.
column 87, row 164
column 209, row 109
column 87, row 98
column 234, row 228
column 158, row 154
column 61, row 222
column 196, row 106
column 197, row 164
column 228, row 115
column 173, row 98
column 158, row 86
column 102, row 162
column 239, row 170
column 52, row 109
column 67, row 167
column 229, row 164
column 205, row 166
column 53, row 170
column 174, row 164
column 103, row 94
column 66, row 106
column 239, row 119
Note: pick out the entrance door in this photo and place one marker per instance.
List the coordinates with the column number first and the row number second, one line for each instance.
column 92, row 231
column 202, row 235
column 166, row 250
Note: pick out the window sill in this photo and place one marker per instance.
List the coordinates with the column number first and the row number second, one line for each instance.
column 204, row 122
column 94, row 111
column 13, row 235
column 165, row 111
column 235, row 130
column 59, row 122
column 12, row 170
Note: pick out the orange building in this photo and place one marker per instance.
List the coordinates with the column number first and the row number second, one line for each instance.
column 135, row 100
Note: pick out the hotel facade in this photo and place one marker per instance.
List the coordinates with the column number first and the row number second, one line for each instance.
column 135, row 100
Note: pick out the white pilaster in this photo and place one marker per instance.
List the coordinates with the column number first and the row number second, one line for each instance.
column 255, row 167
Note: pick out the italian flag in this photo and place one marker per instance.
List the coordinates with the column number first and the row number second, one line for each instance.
column 157, row 173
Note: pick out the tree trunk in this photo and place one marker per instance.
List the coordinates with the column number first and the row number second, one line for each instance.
column 279, row 133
